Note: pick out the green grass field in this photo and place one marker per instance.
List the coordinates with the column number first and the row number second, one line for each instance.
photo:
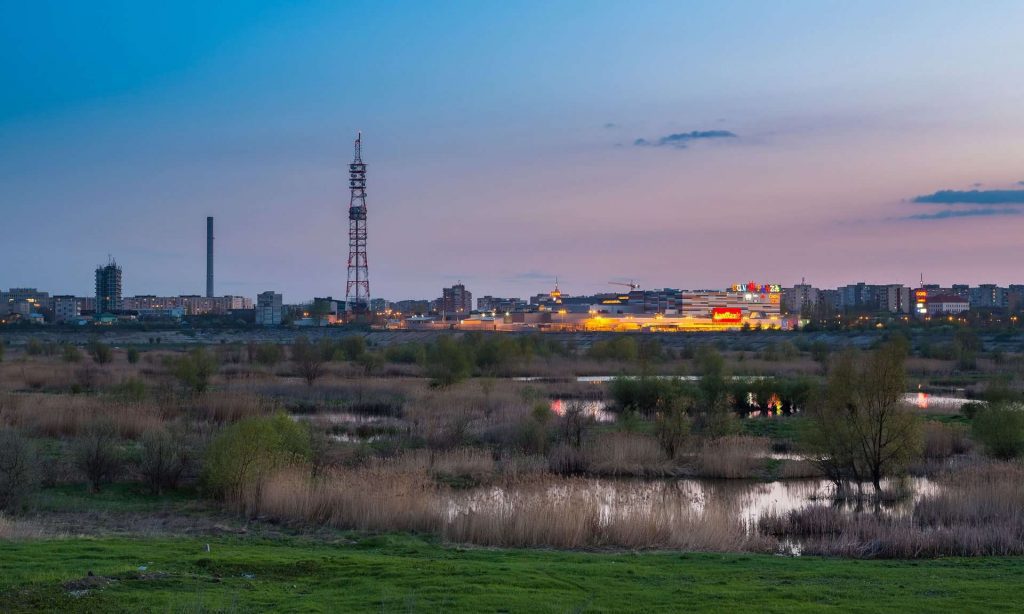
column 409, row 574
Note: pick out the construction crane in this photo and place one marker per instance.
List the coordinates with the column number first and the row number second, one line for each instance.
column 632, row 285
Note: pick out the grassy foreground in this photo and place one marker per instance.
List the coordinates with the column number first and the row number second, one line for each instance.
column 399, row 573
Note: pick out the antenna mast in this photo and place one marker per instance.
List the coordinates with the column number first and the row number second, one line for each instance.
column 357, row 289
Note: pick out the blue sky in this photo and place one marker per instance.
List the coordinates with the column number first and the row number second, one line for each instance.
column 499, row 138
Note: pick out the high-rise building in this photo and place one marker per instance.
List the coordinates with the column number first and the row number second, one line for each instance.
column 456, row 300
column 108, row 288
column 269, row 308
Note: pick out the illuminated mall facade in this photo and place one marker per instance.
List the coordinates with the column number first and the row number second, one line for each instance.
column 750, row 305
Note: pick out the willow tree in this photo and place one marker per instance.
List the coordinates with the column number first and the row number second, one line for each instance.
column 862, row 429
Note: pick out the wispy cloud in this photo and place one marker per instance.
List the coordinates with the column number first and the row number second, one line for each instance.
column 972, row 197
column 682, row 139
column 960, row 213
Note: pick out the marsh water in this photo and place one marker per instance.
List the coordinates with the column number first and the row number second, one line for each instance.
column 743, row 500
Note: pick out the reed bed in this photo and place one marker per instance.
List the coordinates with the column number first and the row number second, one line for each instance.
column 979, row 512
column 733, row 457
column 552, row 512
column 73, row 415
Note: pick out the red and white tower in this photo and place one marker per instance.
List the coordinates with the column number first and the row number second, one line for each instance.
column 357, row 290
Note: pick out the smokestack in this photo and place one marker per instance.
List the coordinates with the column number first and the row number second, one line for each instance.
column 209, row 257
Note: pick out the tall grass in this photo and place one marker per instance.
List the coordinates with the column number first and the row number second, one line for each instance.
column 733, row 457
column 553, row 512
column 980, row 512
column 72, row 415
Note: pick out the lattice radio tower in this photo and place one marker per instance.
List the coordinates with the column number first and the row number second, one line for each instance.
column 357, row 290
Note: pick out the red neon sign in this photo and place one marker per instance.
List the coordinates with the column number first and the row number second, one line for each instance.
column 726, row 315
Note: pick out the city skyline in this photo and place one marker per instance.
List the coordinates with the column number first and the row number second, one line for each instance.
column 716, row 145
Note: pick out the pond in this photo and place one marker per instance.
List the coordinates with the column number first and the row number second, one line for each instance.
column 742, row 500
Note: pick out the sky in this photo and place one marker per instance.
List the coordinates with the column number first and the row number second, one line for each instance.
column 677, row 144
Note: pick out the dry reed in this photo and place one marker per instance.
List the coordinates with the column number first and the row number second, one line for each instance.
column 733, row 457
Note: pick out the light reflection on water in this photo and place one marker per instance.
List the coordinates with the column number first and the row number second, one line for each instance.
column 743, row 500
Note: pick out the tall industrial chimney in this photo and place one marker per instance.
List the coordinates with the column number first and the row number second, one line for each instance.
column 209, row 257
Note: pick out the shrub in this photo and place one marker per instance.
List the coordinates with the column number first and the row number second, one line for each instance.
column 671, row 427
column 266, row 354
column 2, row 349
column 247, row 452
column 131, row 389
column 33, row 347
column 352, row 347
column 644, row 394
column 100, row 352
column 71, row 354
column 163, row 461
column 194, row 369
column 1000, row 429
column 406, row 353
column 618, row 348
column 371, row 362
column 133, row 356
column 308, row 359
column 19, row 476
column 97, row 455
column 447, row 362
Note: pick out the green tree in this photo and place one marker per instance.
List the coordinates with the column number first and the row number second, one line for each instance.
column 1000, row 429
column 133, row 356
column 447, row 362
column 247, row 452
column 352, row 347
column 862, row 425
column 101, row 352
column 194, row 370
column 672, row 427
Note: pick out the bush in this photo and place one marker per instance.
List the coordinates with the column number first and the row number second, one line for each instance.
column 100, row 352
column 71, row 354
column 618, row 348
column 406, row 353
column 1000, row 429
column 644, row 394
column 308, row 359
column 266, row 354
column 352, row 347
column 164, row 460
column 247, row 452
column 672, row 426
column 33, row 347
column 19, row 476
column 447, row 362
column 194, row 369
column 131, row 389
column 97, row 455
column 133, row 356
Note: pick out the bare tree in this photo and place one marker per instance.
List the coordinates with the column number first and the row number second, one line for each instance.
column 308, row 359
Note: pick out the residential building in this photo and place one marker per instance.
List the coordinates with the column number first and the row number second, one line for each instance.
column 456, row 301
column 269, row 309
column 65, row 307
